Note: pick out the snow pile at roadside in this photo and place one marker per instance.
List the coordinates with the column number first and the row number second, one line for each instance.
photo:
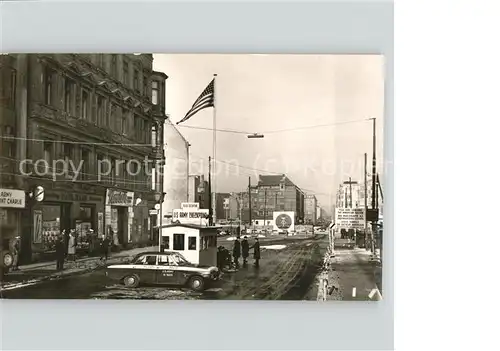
column 231, row 238
column 261, row 236
column 273, row 247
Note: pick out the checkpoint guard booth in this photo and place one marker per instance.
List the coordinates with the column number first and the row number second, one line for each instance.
column 190, row 235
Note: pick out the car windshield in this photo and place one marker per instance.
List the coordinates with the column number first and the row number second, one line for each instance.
column 180, row 260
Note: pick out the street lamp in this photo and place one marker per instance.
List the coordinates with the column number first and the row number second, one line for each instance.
column 158, row 198
column 255, row 136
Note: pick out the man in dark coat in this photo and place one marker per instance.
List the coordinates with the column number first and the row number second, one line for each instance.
column 256, row 252
column 245, row 249
column 105, row 248
column 237, row 252
column 60, row 252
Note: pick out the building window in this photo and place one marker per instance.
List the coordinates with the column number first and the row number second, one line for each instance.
column 153, row 136
column 147, row 135
column 138, row 127
column 112, row 117
column 67, row 153
column 10, row 148
column 68, row 95
column 114, row 65
column 100, row 111
column 179, row 242
column 85, row 105
column 124, row 129
column 85, row 164
column 47, row 75
column 125, row 73
column 7, row 86
column 155, row 92
column 48, row 152
column 145, row 86
column 191, row 243
column 136, row 80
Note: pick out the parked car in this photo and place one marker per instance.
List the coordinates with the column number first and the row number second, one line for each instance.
column 165, row 268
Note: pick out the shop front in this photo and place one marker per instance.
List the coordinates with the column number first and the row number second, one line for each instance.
column 12, row 204
column 65, row 211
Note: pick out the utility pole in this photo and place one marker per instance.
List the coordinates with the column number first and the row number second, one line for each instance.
column 366, row 202
column 350, row 192
column 265, row 210
column 374, row 188
column 210, row 212
column 250, row 201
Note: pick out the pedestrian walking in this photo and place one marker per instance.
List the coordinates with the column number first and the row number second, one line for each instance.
column 14, row 247
column 245, row 249
column 105, row 249
column 256, row 252
column 72, row 246
column 237, row 252
column 60, row 252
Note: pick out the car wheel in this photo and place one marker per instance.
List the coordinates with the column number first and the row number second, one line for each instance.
column 131, row 281
column 197, row 283
column 7, row 259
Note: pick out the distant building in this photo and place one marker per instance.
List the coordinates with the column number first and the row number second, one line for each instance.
column 350, row 195
column 273, row 193
column 222, row 206
column 176, row 171
column 234, row 206
column 198, row 191
column 310, row 209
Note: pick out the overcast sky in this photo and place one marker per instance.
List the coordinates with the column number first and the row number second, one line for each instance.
column 269, row 93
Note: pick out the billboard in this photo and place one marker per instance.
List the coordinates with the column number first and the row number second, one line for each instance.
column 199, row 217
column 284, row 220
column 350, row 218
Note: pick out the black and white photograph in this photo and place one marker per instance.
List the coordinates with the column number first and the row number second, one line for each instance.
column 137, row 176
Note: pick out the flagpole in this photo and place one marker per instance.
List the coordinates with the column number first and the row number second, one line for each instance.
column 214, row 152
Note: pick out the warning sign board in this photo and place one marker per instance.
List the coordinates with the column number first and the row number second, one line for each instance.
column 350, row 218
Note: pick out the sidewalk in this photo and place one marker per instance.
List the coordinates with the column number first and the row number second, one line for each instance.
column 37, row 272
column 350, row 275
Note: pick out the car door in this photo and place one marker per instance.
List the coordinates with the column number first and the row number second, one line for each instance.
column 165, row 273
column 145, row 268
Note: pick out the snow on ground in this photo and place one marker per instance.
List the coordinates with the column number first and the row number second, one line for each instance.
column 261, row 236
column 273, row 247
column 231, row 238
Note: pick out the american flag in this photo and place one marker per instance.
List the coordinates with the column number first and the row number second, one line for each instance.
column 206, row 99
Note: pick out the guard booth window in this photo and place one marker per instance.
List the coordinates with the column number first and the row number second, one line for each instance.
column 192, row 243
column 166, row 242
column 179, row 242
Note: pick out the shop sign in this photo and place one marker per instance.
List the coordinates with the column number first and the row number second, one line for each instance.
column 12, row 198
column 119, row 198
column 190, row 206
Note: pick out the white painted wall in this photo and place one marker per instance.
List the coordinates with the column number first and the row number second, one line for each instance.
column 176, row 169
column 200, row 255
